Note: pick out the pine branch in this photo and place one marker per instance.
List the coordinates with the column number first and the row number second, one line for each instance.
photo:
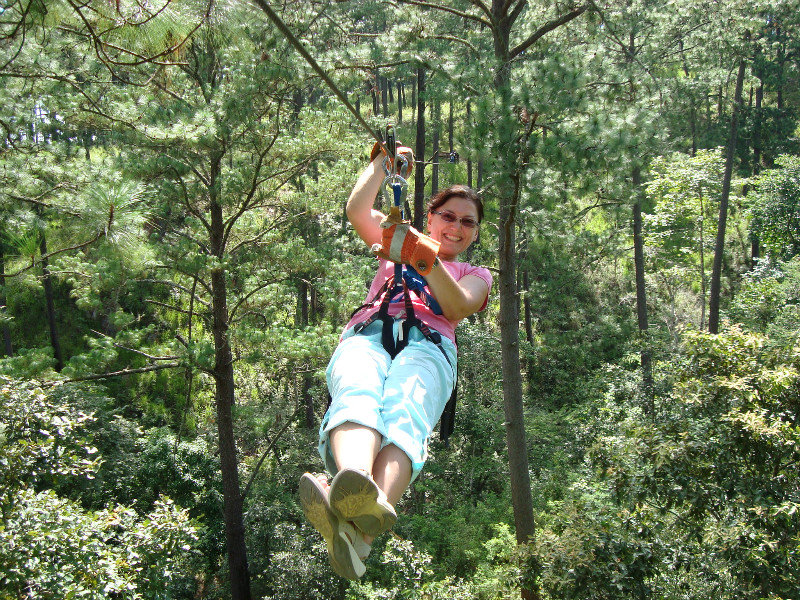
column 37, row 201
column 139, row 352
column 451, row 38
column 547, row 28
column 256, row 238
column 101, row 45
column 373, row 65
column 516, row 11
column 172, row 267
column 267, row 451
column 484, row 8
column 168, row 306
column 35, row 262
column 251, row 192
column 452, row 11
column 250, row 295
column 121, row 373
column 180, row 287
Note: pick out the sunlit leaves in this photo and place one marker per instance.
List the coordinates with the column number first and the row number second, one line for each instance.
column 776, row 211
column 719, row 458
column 41, row 441
column 50, row 546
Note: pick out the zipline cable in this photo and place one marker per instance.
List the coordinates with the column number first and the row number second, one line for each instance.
column 310, row 60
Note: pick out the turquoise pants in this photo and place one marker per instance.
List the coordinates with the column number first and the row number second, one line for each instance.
column 402, row 399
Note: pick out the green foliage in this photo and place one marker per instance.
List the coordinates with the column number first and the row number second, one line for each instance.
column 684, row 191
column 52, row 547
column 28, row 363
column 696, row 501
column 769, row 302
column 410, row 578
column 715, row 466
column 679, row 236
column 574, row 333
column 41, row 441
column 597, row 551
column 776, row 208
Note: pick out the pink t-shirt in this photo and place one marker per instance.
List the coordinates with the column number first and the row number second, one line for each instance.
column 438, row 322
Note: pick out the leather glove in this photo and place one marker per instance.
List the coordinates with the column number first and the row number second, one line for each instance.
column 401, row 243
column 377, row 150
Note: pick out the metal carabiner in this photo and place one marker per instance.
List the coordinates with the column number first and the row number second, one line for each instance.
column 402, row 166
column 395, row 164
column 394, row 190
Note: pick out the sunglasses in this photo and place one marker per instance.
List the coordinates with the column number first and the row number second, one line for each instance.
column 449, row 217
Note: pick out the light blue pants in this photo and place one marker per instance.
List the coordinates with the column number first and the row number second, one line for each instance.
column 402, row 399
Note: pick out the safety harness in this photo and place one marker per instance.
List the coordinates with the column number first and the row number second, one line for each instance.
column 405, row 280
column 387, row 294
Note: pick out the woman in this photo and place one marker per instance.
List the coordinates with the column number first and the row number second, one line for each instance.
column 383, row 409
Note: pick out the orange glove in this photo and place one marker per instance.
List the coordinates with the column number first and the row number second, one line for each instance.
column 407, row 153
column 376, row 150
column 404, row 244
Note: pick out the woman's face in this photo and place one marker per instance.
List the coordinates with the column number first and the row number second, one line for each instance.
column 454, row 237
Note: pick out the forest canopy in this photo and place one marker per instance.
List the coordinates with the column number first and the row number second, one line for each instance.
column 176, row 267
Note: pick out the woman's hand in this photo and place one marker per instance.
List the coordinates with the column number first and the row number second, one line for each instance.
column 360, row 212
column 404, row 154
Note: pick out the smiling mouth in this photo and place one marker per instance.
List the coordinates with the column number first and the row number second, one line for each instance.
column 451, row 238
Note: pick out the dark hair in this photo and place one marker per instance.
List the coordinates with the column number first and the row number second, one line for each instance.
column 456, row 191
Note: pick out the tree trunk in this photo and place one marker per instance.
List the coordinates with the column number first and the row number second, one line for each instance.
column 224, row 396
column 469, row 154
column 374, row 91
column 719, row 247
column 781, row 60
column 757, row 129
column 450, row 128
column 528, row 315
column 641, row 295
column 301, row 315
column 8, row 349
column 399, row 102
column 526, row 304
column 508, row 192
column 384, row 82
column 436, row 118
column 419, row 152
column 297, row 105
column 512, row 380
column 414, row 102
column 702, row 249
column 50, row 305
column 302, row 319
column 693, row 110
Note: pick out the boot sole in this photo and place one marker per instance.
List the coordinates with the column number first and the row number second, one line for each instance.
column 357, row 498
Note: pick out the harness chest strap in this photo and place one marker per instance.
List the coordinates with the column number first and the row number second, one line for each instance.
column 392, row 346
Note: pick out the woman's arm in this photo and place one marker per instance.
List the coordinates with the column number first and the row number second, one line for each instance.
column 360, row 212
column 458, row 299
column 364, row 218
